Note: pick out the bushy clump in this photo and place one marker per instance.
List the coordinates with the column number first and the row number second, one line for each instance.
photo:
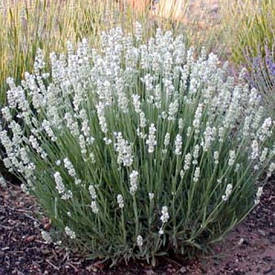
column 139, row 149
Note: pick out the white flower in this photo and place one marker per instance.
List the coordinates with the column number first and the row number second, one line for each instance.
column 123, row 148
column 120, row 201
column 94, row 207
column 47, row 127
column 67, row 195
column 196, row 154
column 46, row 236
column 139, row 241
column 142, row 120
column 133, row 182
column 173, row 109
column 101, row 117
column 148, row 81
column 270, row 169
column 163, row 115
column 258, row 117
column 228, row 192
column 24, row 156
column 77, row 181
column 255, row 149
column 69, row 166
column 166, row 140
column 187, row 161
column 208, row 138
column 151, row 141
column 196, row 174
column 264, row 131
column 59, row 183
column 35, row 145
column 72, row 124
column 122, row 99
column 232, row 157
column 6, row 113
column 178, row 145
column 141, row 134
column 263, row 155
column 246, row 127
column 197, row 119
column 24, row 188
column 164, row 214
column 70, row 232
column 2, row 182
column 258, row 195
column 107, row 140
column 216, row 157
column 92, row 192
column 136, row 103
column 85, row 123
column 151, row 196
column 82, row 144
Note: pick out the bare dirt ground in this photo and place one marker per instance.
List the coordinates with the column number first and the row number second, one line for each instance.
column 248, row 249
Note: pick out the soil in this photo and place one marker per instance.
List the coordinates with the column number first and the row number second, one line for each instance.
column 248, row 249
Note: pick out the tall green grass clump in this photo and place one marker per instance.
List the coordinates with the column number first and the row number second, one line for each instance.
column 255, row 31
column 244, row 28
column 138, row 149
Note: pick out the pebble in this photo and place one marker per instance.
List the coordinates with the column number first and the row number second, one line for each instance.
column 183, row 270
column 261, row 232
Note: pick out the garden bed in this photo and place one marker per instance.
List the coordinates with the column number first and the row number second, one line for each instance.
column 249, row 249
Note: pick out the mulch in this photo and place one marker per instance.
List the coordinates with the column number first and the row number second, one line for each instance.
column 248, row 249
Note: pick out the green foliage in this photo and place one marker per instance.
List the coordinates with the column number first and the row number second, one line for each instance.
column 248, row 27
column 255, row 30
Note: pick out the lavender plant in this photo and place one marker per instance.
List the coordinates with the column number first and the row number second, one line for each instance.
column 139, row 149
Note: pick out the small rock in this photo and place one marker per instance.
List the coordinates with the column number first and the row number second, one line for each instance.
column 261, row 232
column 47, row 226
column 45, row 251
column 150, row 272
column 29, row 239
column 241, row 241
column 183, row 270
